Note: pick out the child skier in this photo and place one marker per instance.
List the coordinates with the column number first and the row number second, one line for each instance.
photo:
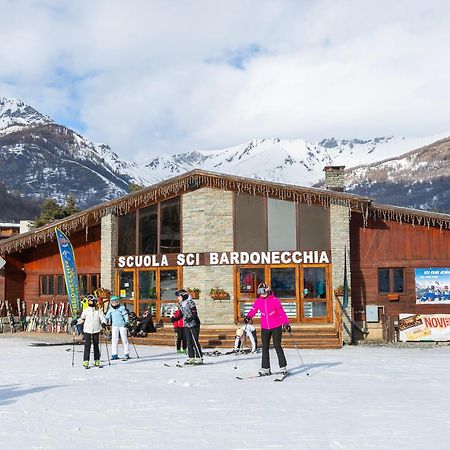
column 118, row 315
column 91, row 318
column 247, row 331
column 273, row 321
column 178, row 328
column 188, row 311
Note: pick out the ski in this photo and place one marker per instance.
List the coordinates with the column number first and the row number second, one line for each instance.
column 176, row 365
column 258, row 376
column 53, row 344
column 282, row 377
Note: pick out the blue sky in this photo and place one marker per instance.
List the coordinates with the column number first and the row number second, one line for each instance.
column 152, row 77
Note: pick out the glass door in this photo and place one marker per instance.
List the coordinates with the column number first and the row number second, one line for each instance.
column 147, row 292
column 315, row 304
column 126, row 288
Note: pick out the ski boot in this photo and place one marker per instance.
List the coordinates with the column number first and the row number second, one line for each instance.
column 283, row 370
column 86, row 364
column 264, row 372
column 198, row 361
column 114, row 356
column 97, row 363
column 180, row 351
column 126, row 357
column 189, row 362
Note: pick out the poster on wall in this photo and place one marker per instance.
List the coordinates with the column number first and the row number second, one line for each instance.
column 432, row 285
column 424, row 327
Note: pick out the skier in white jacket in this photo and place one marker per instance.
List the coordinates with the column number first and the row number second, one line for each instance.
column 92, row 319
column 118, row 315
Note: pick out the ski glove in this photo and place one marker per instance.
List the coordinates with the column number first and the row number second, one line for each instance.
column 74, row 322
column 247, row 319
column 104, row 326
column 287, row 327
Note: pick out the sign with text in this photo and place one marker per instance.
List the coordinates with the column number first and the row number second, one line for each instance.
column 432, row 285
column 2, row 262
column 424, row 327
column 223, row 259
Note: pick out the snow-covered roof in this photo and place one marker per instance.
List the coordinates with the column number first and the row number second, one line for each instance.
column 196, row 179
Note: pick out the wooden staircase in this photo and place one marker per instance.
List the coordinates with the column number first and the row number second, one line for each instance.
column 222, row 337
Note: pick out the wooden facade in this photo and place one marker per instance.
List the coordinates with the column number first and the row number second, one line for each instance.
column 23, row 270
column 391, row 244
column 380, row 237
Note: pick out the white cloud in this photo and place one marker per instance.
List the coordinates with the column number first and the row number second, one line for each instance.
column 162, row 76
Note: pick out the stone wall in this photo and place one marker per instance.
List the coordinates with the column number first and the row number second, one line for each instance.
column 340, row 243
column 207, row 221
column 108, row 250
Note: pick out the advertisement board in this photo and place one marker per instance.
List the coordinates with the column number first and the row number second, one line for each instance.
column 432, row 285
column 424, row 327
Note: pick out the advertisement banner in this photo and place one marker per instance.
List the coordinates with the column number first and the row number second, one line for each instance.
column 432, row 285
column 70, row 271
column 424, row 327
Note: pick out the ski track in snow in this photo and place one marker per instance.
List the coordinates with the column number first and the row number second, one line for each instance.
column 355, row 398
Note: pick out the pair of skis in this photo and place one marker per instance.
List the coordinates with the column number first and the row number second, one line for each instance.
column 280, row 376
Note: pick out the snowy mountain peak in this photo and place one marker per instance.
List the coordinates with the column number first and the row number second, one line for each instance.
column 15, row 113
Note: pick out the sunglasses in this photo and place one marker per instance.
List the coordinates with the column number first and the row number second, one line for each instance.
column 261, row 291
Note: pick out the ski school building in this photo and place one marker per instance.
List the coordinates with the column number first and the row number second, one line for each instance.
column 220, row 236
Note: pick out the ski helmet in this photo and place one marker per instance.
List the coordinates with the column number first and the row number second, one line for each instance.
column 114, row 298
column 92, row 298
column 183, row 293
column 263, row 288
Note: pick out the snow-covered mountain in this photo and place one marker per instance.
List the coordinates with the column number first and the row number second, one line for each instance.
column 40, row 159
column 287, row 161
column 418, row 179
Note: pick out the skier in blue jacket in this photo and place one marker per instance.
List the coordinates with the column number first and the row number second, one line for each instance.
column 118, row 315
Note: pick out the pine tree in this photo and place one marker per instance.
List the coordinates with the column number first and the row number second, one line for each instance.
column 133, row 187
column 52, row 210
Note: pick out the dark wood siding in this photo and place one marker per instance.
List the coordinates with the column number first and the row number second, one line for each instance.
column 45, row 260
column 392, row 244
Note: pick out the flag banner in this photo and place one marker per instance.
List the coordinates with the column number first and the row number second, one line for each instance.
column 345, row 298
column 70, row 271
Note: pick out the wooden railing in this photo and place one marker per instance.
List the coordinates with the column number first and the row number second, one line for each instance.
column 338, row 319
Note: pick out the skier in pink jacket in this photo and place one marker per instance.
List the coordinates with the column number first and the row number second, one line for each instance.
column 273, row 322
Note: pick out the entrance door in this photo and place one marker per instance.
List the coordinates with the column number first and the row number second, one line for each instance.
column 152, row 289
column 315, row 300
column 302, row 289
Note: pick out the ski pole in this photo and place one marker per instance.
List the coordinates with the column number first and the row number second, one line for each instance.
column 175, row 336
column 296, row 348
column 195, row 343
column 107, row 351
column 244, row 334
column 73, row 350
column 132, row 342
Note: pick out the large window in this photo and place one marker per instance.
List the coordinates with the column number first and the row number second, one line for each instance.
column 281, row 222
column 127, row 234
column 55, row 284
column 390, row 280
column 148, row 230
column 152, row 289
column 155, row 229
column 170, row 226
column 314, row 228
column 251, row 227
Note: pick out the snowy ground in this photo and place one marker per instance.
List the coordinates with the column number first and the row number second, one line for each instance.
column 354, row 398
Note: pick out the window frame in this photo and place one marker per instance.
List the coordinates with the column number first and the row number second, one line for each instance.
column 391, row 289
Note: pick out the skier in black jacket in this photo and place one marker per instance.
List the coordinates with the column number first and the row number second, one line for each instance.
column 188, row 311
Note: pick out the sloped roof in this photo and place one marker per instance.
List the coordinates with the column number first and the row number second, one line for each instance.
column 196, row 179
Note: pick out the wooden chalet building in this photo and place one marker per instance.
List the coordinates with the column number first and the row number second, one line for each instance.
column 222, row 235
